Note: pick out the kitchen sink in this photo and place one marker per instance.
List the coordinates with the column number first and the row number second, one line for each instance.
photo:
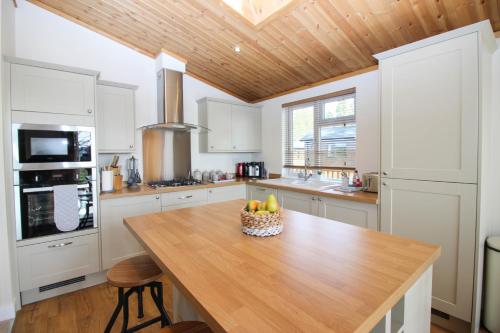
column 312, row 184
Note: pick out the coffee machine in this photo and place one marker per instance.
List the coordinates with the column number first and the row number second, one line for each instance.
column 251, row 170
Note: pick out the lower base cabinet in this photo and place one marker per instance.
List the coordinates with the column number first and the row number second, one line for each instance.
column 299, row 202
column 76, row 256
column 443, row 214
column 260, row 193
column 360, row 214
column 117, row 241
column 355, row 213
column 183, row 199
column 226, row 193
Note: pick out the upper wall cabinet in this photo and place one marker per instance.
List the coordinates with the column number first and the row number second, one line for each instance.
column 115, row 117
column 231, row 127
column 50, row 90
column 430, row 114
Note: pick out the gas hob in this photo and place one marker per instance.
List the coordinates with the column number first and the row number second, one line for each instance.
column 173, row 183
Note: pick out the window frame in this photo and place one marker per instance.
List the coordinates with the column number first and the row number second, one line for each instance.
column 319, row 122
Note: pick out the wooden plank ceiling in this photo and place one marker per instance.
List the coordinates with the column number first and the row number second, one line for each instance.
column 306, row 42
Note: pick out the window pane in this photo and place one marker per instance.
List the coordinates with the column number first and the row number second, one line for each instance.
column 302, row 132
column 339, row 108
column 337, row 145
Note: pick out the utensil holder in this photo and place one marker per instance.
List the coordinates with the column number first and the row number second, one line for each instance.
column 117, row 182
column 107, row 181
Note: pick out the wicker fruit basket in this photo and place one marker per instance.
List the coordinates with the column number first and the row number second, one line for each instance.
column 261, row 225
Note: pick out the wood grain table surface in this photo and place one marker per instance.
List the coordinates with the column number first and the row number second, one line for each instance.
column 316, row 276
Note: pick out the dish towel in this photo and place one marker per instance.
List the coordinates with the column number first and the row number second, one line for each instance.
column 66, row 215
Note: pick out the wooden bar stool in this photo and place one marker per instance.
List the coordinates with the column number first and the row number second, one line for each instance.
column 187, row 327
column 136, row 274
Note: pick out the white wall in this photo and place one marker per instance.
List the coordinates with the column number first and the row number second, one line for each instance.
column 7, row 301
column 367, row 119
column 43, row 36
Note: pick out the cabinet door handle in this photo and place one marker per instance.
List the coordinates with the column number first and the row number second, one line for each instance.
column 384, row 183
column 319, row 199
column 209, row 191
column 234, row 147
column 59, row 245
column 157, row 197
column 131, row 146
column 211, row 147
column 185, row 197
column 89, row 111
column 384, row 173
column 313, row 199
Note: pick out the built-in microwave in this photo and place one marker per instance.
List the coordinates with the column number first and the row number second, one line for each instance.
column 50, row 147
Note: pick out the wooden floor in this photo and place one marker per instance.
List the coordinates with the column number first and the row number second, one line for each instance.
column 88, row 311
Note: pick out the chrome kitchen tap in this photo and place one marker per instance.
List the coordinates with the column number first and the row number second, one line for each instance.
column 306, row 175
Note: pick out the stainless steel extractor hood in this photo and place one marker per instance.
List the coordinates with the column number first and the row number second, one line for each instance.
column 170, row 102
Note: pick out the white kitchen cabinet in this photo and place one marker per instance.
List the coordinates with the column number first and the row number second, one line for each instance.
column 183, row 199
column 360, row 214
column 219, row 125
column 117, row 241
column 355, row 213
column 437, row 130
column 115, row 117
column 52, row 91
column 226, row 193
column 51, row 262
column 231, row 127
column 299, row 202
column 260, row 193
column 443, row 214
column 246, row 128
column 429, row 112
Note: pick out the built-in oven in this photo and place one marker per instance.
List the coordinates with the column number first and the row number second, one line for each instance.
column 34, row 200
column 51, row 147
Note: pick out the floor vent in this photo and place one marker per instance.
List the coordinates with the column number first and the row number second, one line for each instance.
column 61, row 284
column 440, row 314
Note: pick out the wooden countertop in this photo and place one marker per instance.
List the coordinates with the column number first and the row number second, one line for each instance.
column 366, row 197
column 145, row 190
column 316, row 276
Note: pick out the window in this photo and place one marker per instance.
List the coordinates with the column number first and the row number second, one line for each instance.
column 322, row 130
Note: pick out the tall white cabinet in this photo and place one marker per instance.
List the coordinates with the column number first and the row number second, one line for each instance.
column 434, row 94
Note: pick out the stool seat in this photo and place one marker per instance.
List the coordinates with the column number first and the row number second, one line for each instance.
column 134, row 272
column 187, row 327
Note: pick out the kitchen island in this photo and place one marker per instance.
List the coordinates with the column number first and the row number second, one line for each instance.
column 317, row 276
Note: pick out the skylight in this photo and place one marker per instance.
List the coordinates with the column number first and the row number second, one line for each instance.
column 257, row 11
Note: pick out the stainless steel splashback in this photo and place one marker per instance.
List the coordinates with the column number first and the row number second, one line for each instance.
column 166, row 154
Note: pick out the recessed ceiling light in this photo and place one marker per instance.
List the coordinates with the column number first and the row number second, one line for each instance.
column 237, row 49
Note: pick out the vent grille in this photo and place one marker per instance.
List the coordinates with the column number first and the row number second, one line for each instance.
column 61, row 284
column 440, row 314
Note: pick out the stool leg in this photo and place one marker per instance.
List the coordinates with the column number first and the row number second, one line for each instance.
column 157, row 295
column 125, row 312
column 116, row 312
column 140, row 303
